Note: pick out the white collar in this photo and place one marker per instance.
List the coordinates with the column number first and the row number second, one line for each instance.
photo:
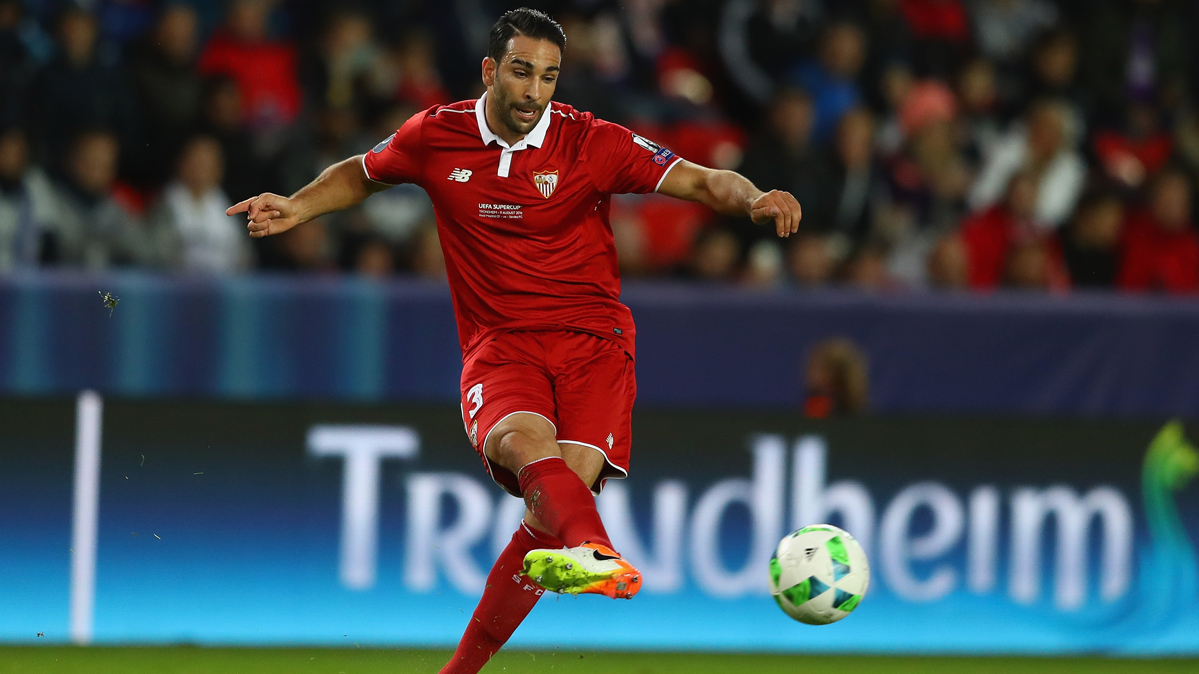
column 534, row 138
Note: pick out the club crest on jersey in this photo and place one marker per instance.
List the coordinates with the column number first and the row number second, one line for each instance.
column 546, row 182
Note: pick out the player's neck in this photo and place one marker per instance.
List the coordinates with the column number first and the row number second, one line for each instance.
column 497, row 127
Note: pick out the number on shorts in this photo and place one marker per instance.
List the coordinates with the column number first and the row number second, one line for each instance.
column 475, row 397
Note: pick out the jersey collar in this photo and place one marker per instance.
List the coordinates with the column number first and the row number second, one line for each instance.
column 534, row 138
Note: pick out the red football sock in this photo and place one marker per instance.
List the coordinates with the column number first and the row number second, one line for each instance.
column 562, row 503
column 507, row 599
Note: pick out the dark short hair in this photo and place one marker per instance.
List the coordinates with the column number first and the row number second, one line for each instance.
column 524, row 21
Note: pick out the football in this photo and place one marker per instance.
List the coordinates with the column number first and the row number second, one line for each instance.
column 819, row 574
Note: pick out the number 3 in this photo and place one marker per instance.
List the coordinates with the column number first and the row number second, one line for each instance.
column 475, row 396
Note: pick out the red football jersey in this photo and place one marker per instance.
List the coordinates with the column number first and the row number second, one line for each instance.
column 525, row 228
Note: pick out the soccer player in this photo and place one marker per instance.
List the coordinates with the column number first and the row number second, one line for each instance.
column 521, row 188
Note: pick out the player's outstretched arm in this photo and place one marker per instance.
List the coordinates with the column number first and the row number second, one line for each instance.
column 732, row 194
column 342, row 185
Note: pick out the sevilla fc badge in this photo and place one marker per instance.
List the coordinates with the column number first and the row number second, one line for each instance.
column 546, row 181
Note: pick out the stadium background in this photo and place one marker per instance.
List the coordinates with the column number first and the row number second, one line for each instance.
column 970, row 357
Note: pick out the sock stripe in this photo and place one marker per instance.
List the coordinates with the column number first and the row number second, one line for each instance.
column 545, row 458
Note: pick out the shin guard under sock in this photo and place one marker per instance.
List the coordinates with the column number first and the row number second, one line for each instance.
column 562, row 503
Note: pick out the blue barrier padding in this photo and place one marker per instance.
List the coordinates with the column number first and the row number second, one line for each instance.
column 336, row 338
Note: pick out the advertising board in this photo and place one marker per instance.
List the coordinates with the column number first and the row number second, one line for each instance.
column 249, row 523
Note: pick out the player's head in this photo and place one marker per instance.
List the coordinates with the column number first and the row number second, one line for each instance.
column 524, row 57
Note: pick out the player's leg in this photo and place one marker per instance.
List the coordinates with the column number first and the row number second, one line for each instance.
column 509, row 594
column 561, row 502
column 508, row 394
column 507, row 599
column 594, row 388
column 592, row 567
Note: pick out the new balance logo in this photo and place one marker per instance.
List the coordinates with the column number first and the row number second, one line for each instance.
column 460, row 175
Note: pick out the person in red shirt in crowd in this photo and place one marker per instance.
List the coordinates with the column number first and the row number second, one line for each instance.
column 1160, row 248
column 1139, row 150
column 989, row 235
column 522, row 188
column 941, row 33
column 265, row 70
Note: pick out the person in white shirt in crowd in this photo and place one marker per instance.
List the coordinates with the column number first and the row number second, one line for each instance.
column 26, row 204
column 1045, row 145
column 191, row 213
column 93, row 227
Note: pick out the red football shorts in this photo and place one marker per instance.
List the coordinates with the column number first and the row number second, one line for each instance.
column 582, row 384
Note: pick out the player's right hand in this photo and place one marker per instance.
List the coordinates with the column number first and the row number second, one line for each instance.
column 267, row 214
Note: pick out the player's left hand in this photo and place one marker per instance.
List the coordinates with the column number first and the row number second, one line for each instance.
column 778, row 206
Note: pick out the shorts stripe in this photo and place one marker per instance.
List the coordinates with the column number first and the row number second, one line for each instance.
column 623, row 473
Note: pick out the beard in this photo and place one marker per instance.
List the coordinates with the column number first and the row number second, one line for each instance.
column 509, row 118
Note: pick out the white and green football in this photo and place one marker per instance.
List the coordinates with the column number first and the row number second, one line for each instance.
column 819, row 574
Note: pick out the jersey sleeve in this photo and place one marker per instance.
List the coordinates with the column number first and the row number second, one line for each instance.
column 398, row 159
column 621, row 162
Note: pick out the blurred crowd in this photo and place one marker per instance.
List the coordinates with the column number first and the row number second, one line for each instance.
column 951, row 144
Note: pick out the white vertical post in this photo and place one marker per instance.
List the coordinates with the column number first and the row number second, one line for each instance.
column 88, row 417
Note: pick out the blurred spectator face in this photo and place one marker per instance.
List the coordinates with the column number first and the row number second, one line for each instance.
column 810, row 260
column 1056, row 61
column 791, row 118
column 948, row 266
column 629, row 237
column 764, row 264
column 844, row 50
column 1028, row 266
column 77, row 36
column 247, row 19
column 14, row 153
column 584, row 42
column 94, row 163
column 1143, row 120
column 1046, row 131
column 428, row 260
column 855, row 139
column 307, row 246
column 976, row 87
column 867, row 270
column 686, row 83
column 1022, row 196
column 345, row 34
column 337, row 125
column 896, row 84
column 175, row 35
column 392, row 119
column 201, row 166
column 418, row 58
column 836, row 379
column 715, row 255
column 374, row 260
column 1098, row 225
column 927, row 103
column 1171, row 202
column 936, row 152
column 10, row 15
column 223, row 107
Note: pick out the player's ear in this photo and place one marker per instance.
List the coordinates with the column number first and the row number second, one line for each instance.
column 489, row 68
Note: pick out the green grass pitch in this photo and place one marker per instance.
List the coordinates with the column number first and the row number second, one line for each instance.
column 192, row 660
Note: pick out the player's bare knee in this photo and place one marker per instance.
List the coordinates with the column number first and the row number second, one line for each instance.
column 519, row 441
